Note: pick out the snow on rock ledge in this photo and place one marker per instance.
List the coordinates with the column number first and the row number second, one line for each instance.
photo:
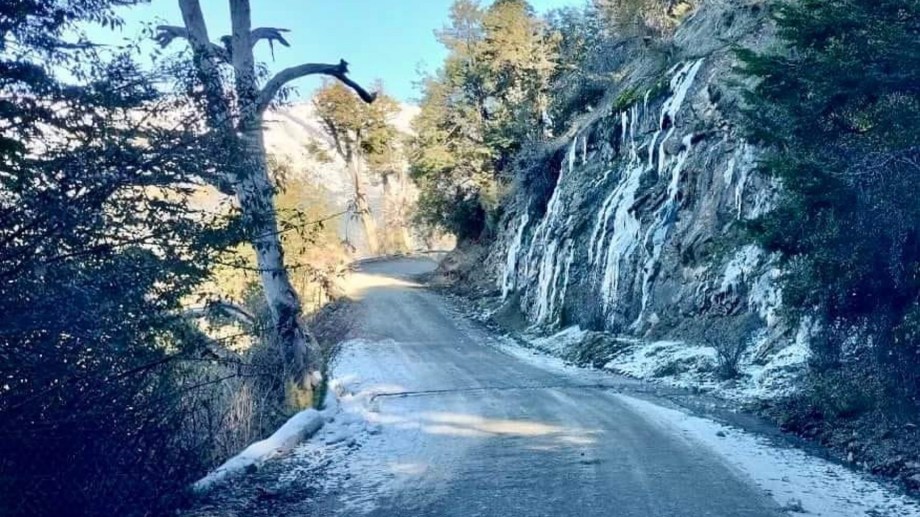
column 682, row 365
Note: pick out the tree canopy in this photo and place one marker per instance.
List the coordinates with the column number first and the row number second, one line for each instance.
column 837, row 105
column 490, row 97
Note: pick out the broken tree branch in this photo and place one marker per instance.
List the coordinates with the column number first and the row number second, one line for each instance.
column 339, row 71
column 167, row 33
column 223, row 308
column 271, row 34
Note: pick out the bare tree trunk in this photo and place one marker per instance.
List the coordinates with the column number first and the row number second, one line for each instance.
column 397, row 233
column 363, row 209
column 256, row 196
column 402, row 208
column 388, row 213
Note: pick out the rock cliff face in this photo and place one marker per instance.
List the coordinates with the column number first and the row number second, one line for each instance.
column 640, row 230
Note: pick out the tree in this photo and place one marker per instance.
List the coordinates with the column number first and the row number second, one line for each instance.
column 312, row 250
column 836, row 106
column 361, row 133
column 237, row 120
column 490, row 97
column 99, row 244
column 642, row 18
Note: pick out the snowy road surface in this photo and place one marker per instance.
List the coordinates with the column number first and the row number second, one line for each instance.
column 439, row 418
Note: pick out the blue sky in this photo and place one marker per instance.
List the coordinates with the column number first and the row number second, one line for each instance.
column 386, row 39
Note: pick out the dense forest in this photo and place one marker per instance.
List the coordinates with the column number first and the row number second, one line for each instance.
column 160, row 271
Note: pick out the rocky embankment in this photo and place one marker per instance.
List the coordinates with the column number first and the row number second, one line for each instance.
column 622, row 245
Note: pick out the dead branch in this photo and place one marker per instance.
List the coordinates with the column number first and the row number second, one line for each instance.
column 167, row 33
column 339, row 71
column 223, row 308
column 271, row 34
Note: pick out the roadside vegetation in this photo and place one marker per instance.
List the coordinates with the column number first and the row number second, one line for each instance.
column 833, row 103
column 144, row 338
column 512, row 81
column 837, row 108
column 150, row 332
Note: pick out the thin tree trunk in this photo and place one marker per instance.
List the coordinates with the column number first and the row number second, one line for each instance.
column 362, row 207
column 256, row 195
column 388, row 214
column 401, row 204
column 397, row 236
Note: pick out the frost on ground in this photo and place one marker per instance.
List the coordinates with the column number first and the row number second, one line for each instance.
column 679, row 364
column 793, row 478
column 344, row 415
column 364, row 374
column 682, row 365
column 560, row 343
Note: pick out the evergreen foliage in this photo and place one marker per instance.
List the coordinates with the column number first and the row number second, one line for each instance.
column 100, row 412
column 838, row 107
column 488, row 100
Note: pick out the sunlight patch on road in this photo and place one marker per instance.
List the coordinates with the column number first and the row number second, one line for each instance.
column 357, row 284
column 468, row 425
column 408, row 469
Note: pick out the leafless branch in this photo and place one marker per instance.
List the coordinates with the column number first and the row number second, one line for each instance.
column 223, row 308
column 271, row 34
column 167, row 33
column 339, row 71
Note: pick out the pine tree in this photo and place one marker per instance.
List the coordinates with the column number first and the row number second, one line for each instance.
column 490, row 98
column 838, row 108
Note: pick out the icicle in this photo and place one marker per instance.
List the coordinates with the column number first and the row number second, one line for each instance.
column 746, row 159
column 617, row 231
column 729, row 175
column 633, row 148
column 510, row 273
column 571, row 156
column 624, row 236
column 565, row 277
column 624, row 123
column 546, row 261
column 546, row 279
column 658, row 232
column 741, row 162
column 648, row 94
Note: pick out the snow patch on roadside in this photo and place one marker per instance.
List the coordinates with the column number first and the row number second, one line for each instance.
column 682, row 365
column 295, row 430
column 673, row 362
column 780, row 377
column 790, row 476
column 559, row 343
column 537, row 356
column 344, row 415
column 371, row 448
